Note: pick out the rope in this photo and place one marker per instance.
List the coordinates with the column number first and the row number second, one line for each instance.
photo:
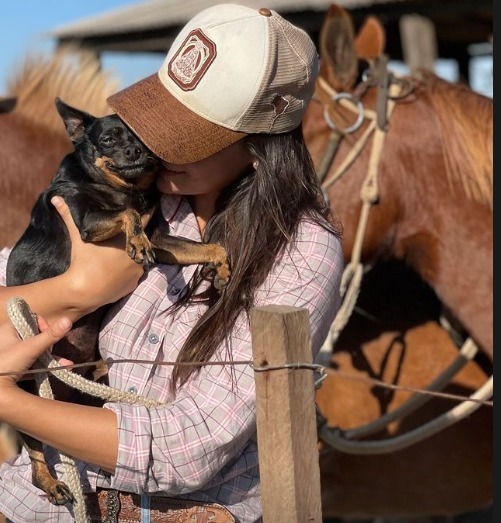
column 369, row 194
column 466, row 354
column 25, row 323
column 26, row 326
column 340, row 440
column 337, row 440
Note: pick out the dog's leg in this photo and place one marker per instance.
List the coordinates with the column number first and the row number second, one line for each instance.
column 97, row 226
column 57, row 492
column 176, row 250
column 137, row 243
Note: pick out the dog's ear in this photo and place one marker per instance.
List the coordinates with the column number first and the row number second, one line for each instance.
column 74, row 120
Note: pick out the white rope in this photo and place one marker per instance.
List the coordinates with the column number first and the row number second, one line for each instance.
column 336, row 440
column 26, row 326
column 353, row 272
column 25, row 323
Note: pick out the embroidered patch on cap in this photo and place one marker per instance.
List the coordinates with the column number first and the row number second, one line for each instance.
column 193, row 58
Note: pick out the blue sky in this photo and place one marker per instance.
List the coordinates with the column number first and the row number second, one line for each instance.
column 23, row 24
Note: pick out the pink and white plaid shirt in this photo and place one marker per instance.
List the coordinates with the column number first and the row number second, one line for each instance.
column 200, row 444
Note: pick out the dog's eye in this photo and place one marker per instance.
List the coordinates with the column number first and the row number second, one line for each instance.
column 107, row 140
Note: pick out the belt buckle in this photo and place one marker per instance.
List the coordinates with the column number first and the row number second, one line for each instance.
column 112, row 507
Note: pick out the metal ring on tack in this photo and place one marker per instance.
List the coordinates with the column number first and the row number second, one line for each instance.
column 360, row 117
column 368, row 76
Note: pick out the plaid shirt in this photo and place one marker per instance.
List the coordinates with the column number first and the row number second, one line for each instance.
column 200, row 444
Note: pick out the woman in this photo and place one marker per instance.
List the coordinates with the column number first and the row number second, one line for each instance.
column 224, row 116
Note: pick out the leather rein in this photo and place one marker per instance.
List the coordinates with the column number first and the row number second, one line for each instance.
column 390, row 89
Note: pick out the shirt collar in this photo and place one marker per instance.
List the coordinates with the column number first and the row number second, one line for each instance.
column 179, row 214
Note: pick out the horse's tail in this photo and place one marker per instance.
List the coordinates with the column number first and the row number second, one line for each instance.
column 74, row 75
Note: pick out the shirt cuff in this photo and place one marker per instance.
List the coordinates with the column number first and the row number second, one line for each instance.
column 134, row 447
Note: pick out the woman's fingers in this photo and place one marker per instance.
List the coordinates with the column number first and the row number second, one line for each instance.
column 16, row 356
column 42, row 323
column 63, row 361
column 64, row 211
column 50, row 335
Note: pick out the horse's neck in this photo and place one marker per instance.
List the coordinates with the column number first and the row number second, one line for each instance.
column 448, row 202
column 423, row 217
column 29, row 157
column 451, row 248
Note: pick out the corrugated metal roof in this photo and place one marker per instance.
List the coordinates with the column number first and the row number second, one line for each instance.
column 161, row 13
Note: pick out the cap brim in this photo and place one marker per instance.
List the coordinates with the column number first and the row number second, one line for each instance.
column 167, row 127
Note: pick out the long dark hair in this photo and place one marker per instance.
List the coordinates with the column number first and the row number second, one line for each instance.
column 256, row 218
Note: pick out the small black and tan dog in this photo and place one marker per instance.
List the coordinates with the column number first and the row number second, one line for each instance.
column 108, row 183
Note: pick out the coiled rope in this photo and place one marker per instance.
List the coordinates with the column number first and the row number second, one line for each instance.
column 25, row 323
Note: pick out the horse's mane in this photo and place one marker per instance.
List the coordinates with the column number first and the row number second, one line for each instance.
column 74, row 76
column 466, row 120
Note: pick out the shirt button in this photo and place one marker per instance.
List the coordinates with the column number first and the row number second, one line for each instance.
column 153, row 338
column 132, row 390
column 175, row 291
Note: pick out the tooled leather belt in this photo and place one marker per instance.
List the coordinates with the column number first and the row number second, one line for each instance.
column 112, row 506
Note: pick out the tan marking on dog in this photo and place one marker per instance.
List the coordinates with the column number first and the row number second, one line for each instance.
column 110, row 175
column 144, row 183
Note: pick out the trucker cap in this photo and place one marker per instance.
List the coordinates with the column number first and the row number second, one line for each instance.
column 230, row 72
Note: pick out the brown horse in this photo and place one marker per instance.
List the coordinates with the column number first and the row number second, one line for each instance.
column 34, row 140
column 428, row 247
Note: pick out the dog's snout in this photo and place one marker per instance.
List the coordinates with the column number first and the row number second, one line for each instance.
column 133, row 152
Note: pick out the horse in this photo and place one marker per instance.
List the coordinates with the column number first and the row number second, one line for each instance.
column 34, row 139
column 411, row 159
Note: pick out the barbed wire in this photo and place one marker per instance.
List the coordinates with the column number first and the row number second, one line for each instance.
column 324, row 371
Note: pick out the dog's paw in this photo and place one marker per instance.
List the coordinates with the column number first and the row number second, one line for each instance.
column 222, row 275
column 60, row 494
column 140, row 249
column 220, row 265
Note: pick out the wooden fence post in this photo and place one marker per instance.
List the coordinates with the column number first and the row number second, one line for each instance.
column 419, row 42
column 286, row 421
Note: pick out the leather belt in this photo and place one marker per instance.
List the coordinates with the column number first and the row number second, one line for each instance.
column 112, row 506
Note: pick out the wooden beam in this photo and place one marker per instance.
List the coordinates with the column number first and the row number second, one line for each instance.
column 286, row 421
column 419, row 42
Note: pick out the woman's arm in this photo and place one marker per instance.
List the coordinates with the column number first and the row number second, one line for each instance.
column 198, row 437
column 86, row 433
column 98, row 274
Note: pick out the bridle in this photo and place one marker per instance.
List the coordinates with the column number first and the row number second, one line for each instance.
column 390, row 90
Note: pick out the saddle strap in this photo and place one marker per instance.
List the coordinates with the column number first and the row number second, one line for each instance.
column 113, row 506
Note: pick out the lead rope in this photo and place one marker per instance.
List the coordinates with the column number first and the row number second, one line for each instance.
column 24, row 322
column 353, row 272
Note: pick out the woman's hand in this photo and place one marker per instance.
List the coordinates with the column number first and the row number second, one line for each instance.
column 99, row 273
column 17, row 356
